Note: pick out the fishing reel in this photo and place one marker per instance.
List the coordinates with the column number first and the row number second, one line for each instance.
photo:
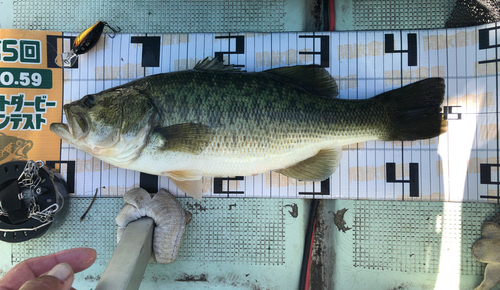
column 33, row 199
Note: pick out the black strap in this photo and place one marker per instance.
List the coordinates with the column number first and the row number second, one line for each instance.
column 12, row 205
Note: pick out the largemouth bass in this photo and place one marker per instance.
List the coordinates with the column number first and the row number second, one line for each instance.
column 215, row 121
column 14, row 148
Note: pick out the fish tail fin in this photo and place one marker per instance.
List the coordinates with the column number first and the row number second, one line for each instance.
column 414, row 111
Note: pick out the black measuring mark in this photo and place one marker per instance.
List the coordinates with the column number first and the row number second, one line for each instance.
column 490, row 196
column 450, row 115
column 52, row 50
column 413, row 181
column 324, row 188
column 148, row 182
column 485, row 169
column 150, row 49
column 412, row 47
column 239, row 49
column 324, row 49
column 484, row 42
column 485, row 173
column 219, row 188
column 70, row 172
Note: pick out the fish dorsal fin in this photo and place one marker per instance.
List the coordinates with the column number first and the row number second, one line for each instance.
column 311, row 78
column 316, row 168
column 214, row 64
column 186, row 137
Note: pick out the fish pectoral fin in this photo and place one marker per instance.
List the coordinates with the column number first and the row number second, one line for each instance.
column 311, row 78
column 188, row 181
column 186, row 137
column 316, row 168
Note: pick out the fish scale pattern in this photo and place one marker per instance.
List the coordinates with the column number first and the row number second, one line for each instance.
column 246, row 109
column 243, row 110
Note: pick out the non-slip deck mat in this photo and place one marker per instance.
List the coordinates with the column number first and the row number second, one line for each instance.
column 401, row 14
column 414, row 236
column 239, row 231
column 152, row 16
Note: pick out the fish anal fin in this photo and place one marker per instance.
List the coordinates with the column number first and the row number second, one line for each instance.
column 183, row 175
column 316, row 168
column 186, row 137
column 192, row 187
column 311, row 78
column 188, row 181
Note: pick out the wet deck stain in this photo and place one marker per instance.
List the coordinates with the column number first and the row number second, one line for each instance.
column 192, row 278
column 338, row 219
column 295, row 210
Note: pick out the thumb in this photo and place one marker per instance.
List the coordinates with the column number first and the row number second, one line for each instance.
column 58, row 278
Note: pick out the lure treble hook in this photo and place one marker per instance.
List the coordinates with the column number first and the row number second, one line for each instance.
column 115, row 30
column 84, row 42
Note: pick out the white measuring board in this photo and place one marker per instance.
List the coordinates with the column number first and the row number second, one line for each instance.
column 461, row 165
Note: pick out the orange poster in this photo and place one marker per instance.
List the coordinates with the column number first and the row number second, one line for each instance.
column 30, row 95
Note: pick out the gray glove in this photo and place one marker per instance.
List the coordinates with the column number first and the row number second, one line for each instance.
column 169, row 217
column 487, row 250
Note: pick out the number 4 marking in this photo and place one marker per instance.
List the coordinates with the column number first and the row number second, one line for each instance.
column 413, row 181
column 412, row 47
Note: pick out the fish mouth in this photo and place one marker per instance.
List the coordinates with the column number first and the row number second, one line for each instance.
column 76, row 129
column 61, row 130
column 82, row 129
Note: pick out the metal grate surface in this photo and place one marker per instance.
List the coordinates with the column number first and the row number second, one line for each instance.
column 401, row 14
column 240, row 231
column 152, row 16
column 409, row 236
column 222, row 230
column 97, row 230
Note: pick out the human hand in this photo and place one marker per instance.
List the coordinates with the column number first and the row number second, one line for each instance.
column 51, row 272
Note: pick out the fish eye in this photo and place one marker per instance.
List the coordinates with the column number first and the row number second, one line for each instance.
column 87, row 101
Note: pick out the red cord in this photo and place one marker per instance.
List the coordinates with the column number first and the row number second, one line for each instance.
column 306, row 287
column 331, row 9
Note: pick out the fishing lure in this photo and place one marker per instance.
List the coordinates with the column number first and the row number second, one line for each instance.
column 84, row 42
